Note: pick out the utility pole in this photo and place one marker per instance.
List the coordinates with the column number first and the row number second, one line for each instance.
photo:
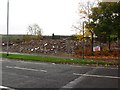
column 7, row 27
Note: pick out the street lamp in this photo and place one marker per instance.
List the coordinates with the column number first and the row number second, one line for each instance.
column 7, row 26
column 83, row 41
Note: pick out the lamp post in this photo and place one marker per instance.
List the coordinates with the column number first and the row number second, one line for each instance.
column 7, row 26
column 83, row 41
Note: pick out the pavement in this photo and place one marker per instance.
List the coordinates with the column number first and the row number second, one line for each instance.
column 18, row 74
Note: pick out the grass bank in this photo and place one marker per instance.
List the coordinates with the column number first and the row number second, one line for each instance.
column 55, row 59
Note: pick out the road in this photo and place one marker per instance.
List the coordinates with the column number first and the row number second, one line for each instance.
column 32, row 74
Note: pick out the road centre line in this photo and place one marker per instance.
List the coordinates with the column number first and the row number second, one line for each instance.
column 26, row 69
column 100, row 76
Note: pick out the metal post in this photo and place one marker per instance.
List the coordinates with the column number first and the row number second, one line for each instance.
column 7, row 26
column 83, row 42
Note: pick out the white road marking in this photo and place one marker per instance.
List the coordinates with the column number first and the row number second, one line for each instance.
column 43, row 70
column 76, row 66
column 77, row 80
column 32, row 62
column 100, row 76
column 26, row 69
column 95, row 67
column 53, row 63
column 3, row 87
column 6, row 88
column 82, row 77
column 72, row 83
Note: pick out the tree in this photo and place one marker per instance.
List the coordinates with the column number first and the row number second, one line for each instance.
column 34, row 30
column 105, row 20
column 85, row 11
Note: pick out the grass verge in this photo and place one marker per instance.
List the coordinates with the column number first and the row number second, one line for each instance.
column 56, row 60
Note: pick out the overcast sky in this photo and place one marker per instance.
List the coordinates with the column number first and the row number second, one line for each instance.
column 53, row 16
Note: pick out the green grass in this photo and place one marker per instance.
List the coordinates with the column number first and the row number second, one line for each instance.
column 55, row 59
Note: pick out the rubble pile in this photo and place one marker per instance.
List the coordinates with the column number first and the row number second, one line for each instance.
column 46, row 46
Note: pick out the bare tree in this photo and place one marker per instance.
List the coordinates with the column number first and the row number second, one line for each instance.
column 34, row 30
column 84, row 13
column 84, row 10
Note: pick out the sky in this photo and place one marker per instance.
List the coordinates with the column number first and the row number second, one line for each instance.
column 53, row 16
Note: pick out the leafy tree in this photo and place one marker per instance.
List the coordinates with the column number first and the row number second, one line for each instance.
column 105, row 20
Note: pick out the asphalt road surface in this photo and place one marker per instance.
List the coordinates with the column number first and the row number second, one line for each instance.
column 32, row 74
